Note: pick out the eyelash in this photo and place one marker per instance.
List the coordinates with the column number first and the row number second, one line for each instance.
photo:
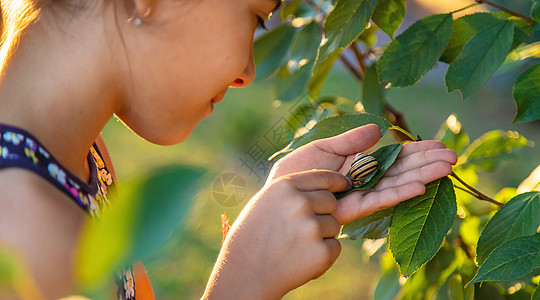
column 261, row 23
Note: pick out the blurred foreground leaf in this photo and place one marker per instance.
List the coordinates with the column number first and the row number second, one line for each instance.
column 419, row 225
column 140, row 221
column 15, row 277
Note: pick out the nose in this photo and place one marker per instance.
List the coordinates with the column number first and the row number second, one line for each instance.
column 247, row 77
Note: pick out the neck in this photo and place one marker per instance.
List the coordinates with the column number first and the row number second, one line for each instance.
column 60, row 89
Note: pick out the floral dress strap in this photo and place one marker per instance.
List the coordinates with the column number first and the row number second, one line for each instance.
column 20, row 149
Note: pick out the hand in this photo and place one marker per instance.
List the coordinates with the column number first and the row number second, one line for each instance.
column 284, row 237
column 418, row 164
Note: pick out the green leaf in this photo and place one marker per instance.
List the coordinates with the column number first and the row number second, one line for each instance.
column 483, row 54
column 164, row 199
column 419, row 225
column 304, row 46
column 492, row 149
column 300, row 66
column 335, row 125
column 527, row 95
column 388, row 15
column 343, row 25
column 11, row 268
column 270, row 50
column 388, row 286
column 519, row 217
column 463, row 30
column 455, row 287
column 139, row 222
column 385, row 157
column 522, row 27
column 536, row 295
column 374, row 226
column 469, row 25
column 293, row 85
column 414, row 52
column 373, row 93
column 513, row 259
column 289, row 9
column 369, row 36
column 535, row 10
column 321, row 73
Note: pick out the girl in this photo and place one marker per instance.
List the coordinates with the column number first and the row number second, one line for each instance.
column 161, row 66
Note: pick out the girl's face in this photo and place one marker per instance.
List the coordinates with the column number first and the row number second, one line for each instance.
column 181, row 61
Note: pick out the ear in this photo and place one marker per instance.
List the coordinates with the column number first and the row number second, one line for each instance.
column 145, row 8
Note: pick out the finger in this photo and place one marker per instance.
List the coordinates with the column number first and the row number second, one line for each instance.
column 323, row 201
column 329, row 225
column 351, row 142
column 319, row 180
column 360, row 204
column 410, row 148
column 420, row 159
column 425, row 174
column 334, row 249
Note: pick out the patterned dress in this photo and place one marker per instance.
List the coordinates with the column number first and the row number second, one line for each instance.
column 20, row 149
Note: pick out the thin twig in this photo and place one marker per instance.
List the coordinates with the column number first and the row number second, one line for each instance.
column 466, row 191
column 359, row 56
column 497, row 6
column 464, row 247
column 317, row 7
column 479, row 195
column 357, row 73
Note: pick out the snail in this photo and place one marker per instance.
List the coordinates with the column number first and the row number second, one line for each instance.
column 361, row 167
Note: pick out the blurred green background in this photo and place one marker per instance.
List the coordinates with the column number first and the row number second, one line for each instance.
column 181, row 268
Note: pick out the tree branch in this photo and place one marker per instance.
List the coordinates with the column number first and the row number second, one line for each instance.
column 317, row 7
column 464, row 247
column 359, row 56
column 478, row 195
column 506, row 10
column 349, row 65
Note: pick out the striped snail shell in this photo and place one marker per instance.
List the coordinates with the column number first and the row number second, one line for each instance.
column 361, row 167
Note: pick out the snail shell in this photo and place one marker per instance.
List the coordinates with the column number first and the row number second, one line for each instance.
column 361, row 167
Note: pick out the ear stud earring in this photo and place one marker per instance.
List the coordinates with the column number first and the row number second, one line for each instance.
column 136, row 20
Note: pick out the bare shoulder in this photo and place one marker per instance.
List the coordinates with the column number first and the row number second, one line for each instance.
column 43, row 225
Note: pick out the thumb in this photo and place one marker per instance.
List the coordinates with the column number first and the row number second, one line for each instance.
column 351, row 142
